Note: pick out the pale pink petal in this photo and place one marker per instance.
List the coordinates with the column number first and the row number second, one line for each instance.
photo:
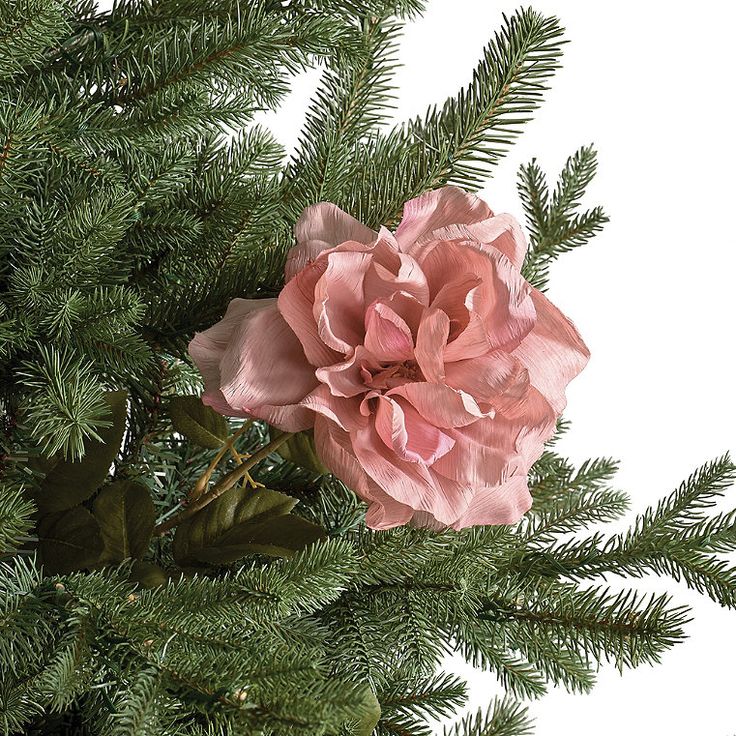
column 408, row 434
column 502, row 232
column 208, row 347
column 440, row 405
column 408, row 307
column 503, row 297
column 263, row 371
column 338, row 300
column 502, row 504
column 320, row 227
column 451, row 299
column 387, row 336
column 345, row 412
column 348, row 378
column 436, row 209
column 392, row 272
column 296, row 304
column 335, row 451
column 408, row 483
column 434, row 330
column 553, row 352
column 498, row 379
column 472, row 342
column 495, row 448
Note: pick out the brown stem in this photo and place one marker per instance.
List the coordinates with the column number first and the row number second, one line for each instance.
column 225, row 484
column 201, row 485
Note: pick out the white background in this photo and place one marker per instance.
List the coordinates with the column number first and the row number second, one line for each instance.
column 651, row 83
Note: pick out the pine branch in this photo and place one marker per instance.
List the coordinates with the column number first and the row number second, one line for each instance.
column 64, row 405
column 555, row 226
column 353, row 99
column 625, row 627
column 460, row 142
column 503, row 718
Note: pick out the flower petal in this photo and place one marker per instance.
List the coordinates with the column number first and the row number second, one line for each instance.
column 320, row 227
column 436, row 209
column 338, row 300
column 408, row 434
column 263, row 370
column 408, row 483
column 440, row 405
column 296, row 304
column 493, row 449
column 502, row 504
column 335, row 451
column 498, row 379
column 434, row 330
column 345, row 412
column 347, row 378
column 207, row 348
column 501, row 232
column 387, row 336
column 502, row 298
column 393, row 272
column 553, row 352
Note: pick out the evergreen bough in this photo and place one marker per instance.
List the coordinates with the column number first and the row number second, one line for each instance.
column 138, row 197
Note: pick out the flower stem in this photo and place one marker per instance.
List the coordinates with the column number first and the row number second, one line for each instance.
column 223, row 485
column 201, row 485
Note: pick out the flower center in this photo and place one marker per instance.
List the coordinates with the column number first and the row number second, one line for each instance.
column 389, row 376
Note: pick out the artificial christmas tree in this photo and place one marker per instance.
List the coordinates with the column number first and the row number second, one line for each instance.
column 138, row 199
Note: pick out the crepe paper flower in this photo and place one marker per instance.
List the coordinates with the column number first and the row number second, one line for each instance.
column 430, row 370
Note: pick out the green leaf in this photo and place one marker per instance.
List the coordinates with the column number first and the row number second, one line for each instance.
column 148, row 575
column 197, row 422
column 67, row 483
column 243, row 521
column 369, row 713
column 299, row 449
column 126, row 515
column 69, row 540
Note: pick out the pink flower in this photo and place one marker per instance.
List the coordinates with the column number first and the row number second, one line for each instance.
column 430, row 370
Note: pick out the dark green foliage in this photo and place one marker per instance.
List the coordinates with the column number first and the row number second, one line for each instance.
column 66, row 483
column 459, row 142
column 555, row 225
column 138, row 199
column 125, row 514
column 243, row 521
column 69, row 540
column 198, row 422
column 504, row 718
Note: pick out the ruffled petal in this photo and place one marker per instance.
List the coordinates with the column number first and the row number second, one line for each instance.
column 263, row 371
column 501, row 232
column 320, row 227
column 296, row 304
column 436, row 209
column 345, row 412
column 408, row 434
column 434, row 329
column 502, row 504
column 208, row 347
column 338, row 300
column 498, row 379
column 347, row 379
column 493, row 449
column 392, row 272
column 502, row 299
column 440, row 405
column 408, row 483
column 553, row 352
column 387, row 337
column 335, row 451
